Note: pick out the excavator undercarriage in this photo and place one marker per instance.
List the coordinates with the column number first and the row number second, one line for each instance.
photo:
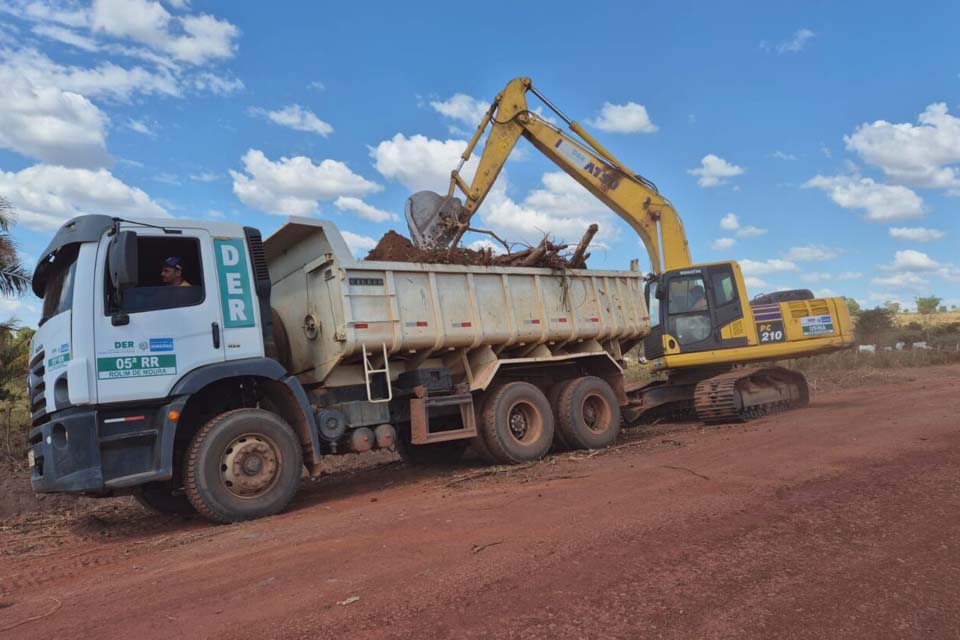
column 735, row 395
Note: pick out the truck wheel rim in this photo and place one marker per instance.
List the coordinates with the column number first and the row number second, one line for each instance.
column 524, row 422
column 250, row 465
column 596, row 413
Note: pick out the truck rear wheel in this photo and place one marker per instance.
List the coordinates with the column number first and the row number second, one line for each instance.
column 516, row 424
column 588, row 415
column 241, row 465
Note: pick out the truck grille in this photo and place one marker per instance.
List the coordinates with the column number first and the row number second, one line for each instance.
column 36, row 388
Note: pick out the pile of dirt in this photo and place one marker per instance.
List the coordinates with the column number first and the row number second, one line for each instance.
column 394, row 247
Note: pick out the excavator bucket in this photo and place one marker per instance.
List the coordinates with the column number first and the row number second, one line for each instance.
column 433, row 219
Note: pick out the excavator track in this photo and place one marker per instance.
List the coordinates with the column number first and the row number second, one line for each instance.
column 744, row 394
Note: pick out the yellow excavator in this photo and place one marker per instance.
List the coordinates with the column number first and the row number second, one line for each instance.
column 703, row 325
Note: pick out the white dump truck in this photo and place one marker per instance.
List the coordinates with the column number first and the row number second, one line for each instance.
column 202, row 369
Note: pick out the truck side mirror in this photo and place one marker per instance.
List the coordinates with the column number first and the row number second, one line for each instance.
column 123, row 262
column 660, row 294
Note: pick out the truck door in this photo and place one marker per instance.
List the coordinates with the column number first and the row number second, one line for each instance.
column 149, row 335
column 699, row 305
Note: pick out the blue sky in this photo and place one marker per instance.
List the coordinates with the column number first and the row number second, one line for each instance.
column 818, row 143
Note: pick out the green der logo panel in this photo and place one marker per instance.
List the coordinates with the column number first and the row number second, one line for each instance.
column 236, row 298
column 136, row 366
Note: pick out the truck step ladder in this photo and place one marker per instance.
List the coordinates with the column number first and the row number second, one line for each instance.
column 369, row 372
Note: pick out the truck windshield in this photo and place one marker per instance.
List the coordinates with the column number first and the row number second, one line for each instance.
column 58, row 292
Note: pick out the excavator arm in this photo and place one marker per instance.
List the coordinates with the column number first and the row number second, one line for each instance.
column 437, row 220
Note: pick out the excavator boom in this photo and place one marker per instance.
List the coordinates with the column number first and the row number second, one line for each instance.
column 437, row 220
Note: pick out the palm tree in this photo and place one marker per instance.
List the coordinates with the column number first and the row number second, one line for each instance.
column 14, row 278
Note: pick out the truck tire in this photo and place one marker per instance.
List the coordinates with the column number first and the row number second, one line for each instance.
column 588, row 414
column 517, row 423
column 160, row 498
column 429, row 455
column 243, row 464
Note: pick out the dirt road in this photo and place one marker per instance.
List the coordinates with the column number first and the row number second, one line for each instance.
column 838, row 521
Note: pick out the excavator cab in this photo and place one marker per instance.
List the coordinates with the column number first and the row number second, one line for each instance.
column 694, row 309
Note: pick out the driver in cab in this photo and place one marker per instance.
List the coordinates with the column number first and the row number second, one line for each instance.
column 171, row 273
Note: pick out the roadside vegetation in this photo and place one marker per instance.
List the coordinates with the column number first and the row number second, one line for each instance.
column 14, row 344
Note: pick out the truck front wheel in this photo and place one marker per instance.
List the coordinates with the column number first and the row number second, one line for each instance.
column 241, row 465
column 516, row 423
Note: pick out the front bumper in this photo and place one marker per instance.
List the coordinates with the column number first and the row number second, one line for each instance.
column 88, row 450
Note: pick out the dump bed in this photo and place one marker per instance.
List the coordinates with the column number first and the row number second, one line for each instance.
column 333, row 307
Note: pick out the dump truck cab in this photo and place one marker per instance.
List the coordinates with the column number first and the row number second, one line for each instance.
column 118, row 353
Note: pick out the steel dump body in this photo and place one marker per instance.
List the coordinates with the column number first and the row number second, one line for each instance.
column 418, row 312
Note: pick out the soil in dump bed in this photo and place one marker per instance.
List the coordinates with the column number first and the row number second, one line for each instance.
column 394, row 247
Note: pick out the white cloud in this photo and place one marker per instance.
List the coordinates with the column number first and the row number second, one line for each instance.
column 754, row 283
column 421, row 163
column 730, row 222
column 714, row 171
column 812, row 253
column 217, row 85
column 167, row 178
column 462, row 107
column 45, row 196
column 750, row 231
column 904, row 280
column 70, row 16
column 294, row 186
column 66, row 36
column 825, row 150
column 142, row 126
column 796, row 43
column 495, row 247
column 364, row 210
column 780, row 155
column 820, row 276
column 358, row 244
column 106, row 80
column 560, row 207
column 762, row 267
column 316, row 85
column 205, row 176
column 916, row 234
column 295, row 117
column 721, row 244
column 195, row 39
column 917, row 155
column 911, row 260
column 25, row 311
column 49, row 124
column 882, row 202
column 624, row 118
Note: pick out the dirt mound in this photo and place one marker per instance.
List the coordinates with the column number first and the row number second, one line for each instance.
column 393, row 247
